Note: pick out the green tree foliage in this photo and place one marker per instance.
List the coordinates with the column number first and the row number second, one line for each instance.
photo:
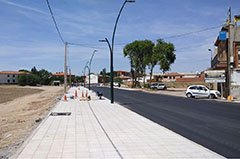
column 46, row 77
column 104, row 72
column 118, row 80
column 143, row 53
column 58, row 78
column 34, row 71
column 28, row 79
column 165, row 54
column 35, row 77
column 137, row 52
column 77, row 79
column 23, row 70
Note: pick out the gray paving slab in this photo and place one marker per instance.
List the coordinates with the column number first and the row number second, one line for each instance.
column 98, row 129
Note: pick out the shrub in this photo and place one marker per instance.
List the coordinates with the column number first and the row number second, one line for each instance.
column 28, row 79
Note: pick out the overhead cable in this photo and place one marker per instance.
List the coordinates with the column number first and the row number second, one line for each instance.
column 55, row 23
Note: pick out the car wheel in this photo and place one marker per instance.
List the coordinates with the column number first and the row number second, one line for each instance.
column 189, row 95
column 211, row 96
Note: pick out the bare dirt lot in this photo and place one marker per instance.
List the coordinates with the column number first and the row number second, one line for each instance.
column 21, row 110
column 9, row 93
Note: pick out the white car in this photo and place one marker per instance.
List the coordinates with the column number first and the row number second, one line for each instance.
column 201, row 91
column 158, row 86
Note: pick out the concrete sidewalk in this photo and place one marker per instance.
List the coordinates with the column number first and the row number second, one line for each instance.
column 98, row 129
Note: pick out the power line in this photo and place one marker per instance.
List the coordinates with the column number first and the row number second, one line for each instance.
column 55, row 23
column 59, row 33
column 194, row 46
column 184, row 34
column 192, row 32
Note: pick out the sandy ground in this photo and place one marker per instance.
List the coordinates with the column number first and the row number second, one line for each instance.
column 22, row 113
column 11, row 92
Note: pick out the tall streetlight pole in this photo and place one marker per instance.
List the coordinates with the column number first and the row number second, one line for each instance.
column 89, row 68
column 83, row 78
column 112, row 47
column 84, row 70
column 211, row 57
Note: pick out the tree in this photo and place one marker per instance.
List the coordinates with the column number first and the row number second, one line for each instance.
column 118, row 80
column 46, row 77
column 143, row 53
column 23, row 70
column 28, row 79
column 34, row 71
column 104, row 75
column 165, row 54
column 137, row 51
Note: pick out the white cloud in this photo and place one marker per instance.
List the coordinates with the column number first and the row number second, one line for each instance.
column 24, row 7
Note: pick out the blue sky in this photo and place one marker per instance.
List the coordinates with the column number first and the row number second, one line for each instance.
column 28, row 37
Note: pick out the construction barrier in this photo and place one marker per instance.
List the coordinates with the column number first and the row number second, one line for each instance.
column 230, row 98
column 75, row 93
column 65, row 97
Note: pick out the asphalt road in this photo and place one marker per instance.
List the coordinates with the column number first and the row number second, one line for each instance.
column 212, row 124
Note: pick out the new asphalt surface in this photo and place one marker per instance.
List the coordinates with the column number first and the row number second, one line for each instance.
column 214, row 125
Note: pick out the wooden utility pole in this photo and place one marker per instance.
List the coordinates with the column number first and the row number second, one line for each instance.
column 65, row 69
column 230, row 59
column 70, row 77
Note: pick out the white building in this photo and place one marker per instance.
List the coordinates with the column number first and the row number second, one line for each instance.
column 93, row 79
column 9, row 77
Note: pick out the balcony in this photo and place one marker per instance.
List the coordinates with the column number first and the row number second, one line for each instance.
column 217, row 64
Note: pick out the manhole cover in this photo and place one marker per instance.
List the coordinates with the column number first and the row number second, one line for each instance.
column 60, row 113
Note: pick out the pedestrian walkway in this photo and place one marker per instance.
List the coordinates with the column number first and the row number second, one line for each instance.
column 98, row 129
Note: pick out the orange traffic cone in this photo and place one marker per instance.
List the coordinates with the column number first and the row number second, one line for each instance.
column 82, row 94
column 65, row 97
column 86, row 94
column 75, row 93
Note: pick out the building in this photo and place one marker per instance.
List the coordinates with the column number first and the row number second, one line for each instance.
column 124, row 75
column 191, row 77
column 61, row 74
column 93, row 79
column 9, row 77
column 178, row 77
column 171, row 77
column 228, row 58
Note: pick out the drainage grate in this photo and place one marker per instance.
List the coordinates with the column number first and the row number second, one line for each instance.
column 60, row 113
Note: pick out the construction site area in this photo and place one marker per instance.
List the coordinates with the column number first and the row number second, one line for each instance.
column 21, row 110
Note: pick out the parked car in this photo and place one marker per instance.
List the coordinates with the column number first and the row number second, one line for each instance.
column 160, row 86
column 116, row 84
column 201, row 92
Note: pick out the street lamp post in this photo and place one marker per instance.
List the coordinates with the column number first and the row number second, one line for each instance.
column 112, row 47
column 89, row 68
column 211, row 57
column 84, row 71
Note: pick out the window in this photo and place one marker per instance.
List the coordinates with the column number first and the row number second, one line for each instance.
column 13, row 75
column 13, row 81
column 8, row 81
column 8, row 75
column 193, row 87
